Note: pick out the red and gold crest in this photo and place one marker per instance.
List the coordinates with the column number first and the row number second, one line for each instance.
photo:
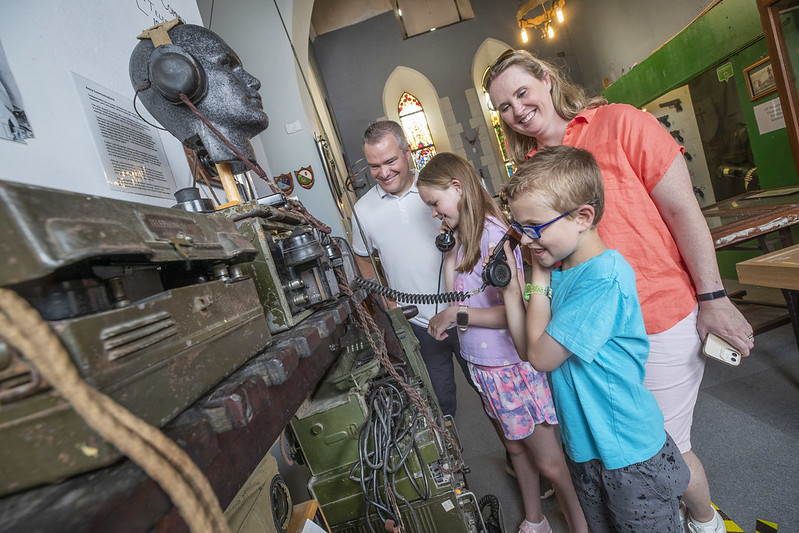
column 305, row 177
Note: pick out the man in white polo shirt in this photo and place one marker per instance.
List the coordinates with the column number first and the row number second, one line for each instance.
column 399, row 227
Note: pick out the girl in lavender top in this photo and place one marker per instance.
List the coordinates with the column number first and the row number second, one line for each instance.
column 516, row 397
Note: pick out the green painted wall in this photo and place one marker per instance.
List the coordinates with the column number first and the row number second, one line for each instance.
column 730, row 31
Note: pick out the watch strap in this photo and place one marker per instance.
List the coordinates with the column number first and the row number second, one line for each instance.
column 462, row 318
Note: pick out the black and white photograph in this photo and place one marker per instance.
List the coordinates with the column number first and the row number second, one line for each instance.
column 14, row 124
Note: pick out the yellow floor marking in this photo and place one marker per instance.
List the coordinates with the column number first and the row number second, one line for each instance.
column 765, row 527
column 729, row 525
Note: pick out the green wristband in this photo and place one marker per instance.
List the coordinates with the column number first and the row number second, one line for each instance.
column 537, row 289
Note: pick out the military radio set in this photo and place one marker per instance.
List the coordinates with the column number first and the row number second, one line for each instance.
column 213, row 324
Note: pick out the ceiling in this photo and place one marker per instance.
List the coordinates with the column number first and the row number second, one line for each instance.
column 418, row 16
column 329, row 15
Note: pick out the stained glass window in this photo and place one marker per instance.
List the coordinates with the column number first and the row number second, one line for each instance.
column 509, row 167
column 414, row 122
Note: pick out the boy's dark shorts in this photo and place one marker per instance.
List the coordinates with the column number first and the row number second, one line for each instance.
column 643, row 496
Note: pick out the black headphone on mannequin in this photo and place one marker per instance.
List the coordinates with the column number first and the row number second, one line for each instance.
column 173, row 71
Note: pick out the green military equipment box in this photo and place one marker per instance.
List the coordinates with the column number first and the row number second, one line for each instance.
column 149, row 302
column 327, row 429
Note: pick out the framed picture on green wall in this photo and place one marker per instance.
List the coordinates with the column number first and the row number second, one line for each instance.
column 760, row 79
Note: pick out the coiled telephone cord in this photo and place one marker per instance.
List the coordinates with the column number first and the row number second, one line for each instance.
column 371, row 285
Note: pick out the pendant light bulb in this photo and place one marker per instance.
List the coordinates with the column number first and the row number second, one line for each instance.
column 550, row 31
column 524, row 35
column 559, row 14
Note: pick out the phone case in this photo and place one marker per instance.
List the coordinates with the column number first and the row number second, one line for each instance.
column 717, row 348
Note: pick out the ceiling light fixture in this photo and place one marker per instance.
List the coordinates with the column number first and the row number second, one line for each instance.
column 543, row 20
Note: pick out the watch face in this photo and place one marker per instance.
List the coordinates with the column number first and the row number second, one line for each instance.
column 462, row 319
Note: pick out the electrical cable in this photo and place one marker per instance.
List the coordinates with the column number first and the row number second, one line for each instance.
column 297, row 205
column 493, row 515
column 144, row 86
column 386, row 442
column 440, row 271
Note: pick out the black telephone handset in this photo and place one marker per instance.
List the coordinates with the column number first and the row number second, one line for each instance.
column 497, row 271
column 445, row 241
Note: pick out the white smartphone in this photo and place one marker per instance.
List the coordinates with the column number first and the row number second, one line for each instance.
column 717, row 348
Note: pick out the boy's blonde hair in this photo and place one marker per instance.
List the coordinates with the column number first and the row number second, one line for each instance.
column 474, row 206
column 568, row 177
column 568, row 99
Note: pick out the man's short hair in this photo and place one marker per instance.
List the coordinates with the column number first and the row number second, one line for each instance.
column 569, row 177
column 380, row 129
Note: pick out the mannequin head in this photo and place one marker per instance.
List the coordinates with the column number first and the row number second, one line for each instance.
column 227, row 96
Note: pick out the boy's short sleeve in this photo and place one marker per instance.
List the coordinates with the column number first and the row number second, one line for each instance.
column 588, row 318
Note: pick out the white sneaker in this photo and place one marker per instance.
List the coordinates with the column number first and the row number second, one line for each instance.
column 684, row 517
column 715, row 525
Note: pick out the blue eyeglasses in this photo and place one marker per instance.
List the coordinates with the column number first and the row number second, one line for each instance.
column 534, row 232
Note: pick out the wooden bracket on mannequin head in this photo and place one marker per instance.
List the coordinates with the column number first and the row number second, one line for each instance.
column 159, row 34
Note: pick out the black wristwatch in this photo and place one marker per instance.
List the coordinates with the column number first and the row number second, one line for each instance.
column 462, row 318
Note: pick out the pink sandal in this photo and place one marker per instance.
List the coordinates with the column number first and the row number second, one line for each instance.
column 529, row 527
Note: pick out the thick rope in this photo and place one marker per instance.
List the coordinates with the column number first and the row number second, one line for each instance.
column 166, row 463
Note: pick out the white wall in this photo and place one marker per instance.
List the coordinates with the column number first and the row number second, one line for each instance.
column 254, row 30
column 45, row 42
column 610, row 36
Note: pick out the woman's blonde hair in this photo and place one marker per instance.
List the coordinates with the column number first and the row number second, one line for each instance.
column 474, row 206
column 568, row 99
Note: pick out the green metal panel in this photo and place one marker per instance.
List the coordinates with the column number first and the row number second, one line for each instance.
column 446, row 513
column 341, row 498
column 264, row 272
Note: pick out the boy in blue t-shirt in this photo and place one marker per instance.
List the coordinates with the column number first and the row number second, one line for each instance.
column 628, row 473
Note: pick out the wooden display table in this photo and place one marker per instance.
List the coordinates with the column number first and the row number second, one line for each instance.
column 753, row 215
column 749, row 221
column 778, row 269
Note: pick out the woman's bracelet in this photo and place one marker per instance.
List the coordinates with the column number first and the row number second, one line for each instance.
column 537, row 289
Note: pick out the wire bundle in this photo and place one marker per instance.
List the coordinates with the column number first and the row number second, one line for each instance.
column 385, row 444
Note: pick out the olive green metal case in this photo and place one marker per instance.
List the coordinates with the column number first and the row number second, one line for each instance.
column 149, row 302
